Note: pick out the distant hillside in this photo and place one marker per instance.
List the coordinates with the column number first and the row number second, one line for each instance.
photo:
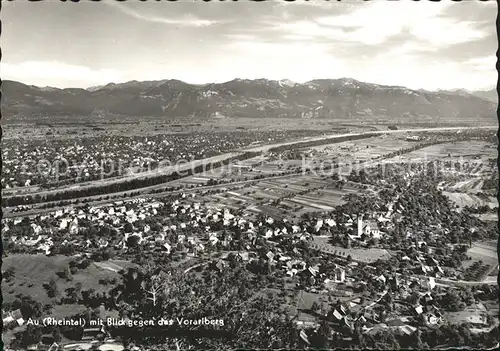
column 324, row 98
column 491, row 95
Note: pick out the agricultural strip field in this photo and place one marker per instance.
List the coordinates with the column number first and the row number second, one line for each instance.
column 297, row 195
column 466, row 149
column 463, row 199
column 484, row 251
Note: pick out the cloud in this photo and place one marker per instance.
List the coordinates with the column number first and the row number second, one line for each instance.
column 418, row 44
column 410, row 71
column 57, row 74
column 309, row 29
column 241, row 37
column 373, row 24
column 298, row 61
column 487, row 63
column 189, row 21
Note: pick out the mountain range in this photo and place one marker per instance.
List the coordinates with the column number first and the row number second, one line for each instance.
column 323, row 98
column 491, row 95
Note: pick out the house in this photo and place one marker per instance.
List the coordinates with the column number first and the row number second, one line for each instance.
column 90, row 334
column 381, row 278
column 394, row 282
column 318, row 225
column 8, row 321
column 313, row 271
column 405, row 330
column 244, row 256
column 336, row 316
column 369, row 228
column 167, row 247
column 433, row 319
column 220, row 265
column 353, row 305
column 303, row 336
column 339, row 275
column 342, row 310
column 347, row 323
column 362, row 319
column 330, row 222
column 431, row 283
column 427, row 297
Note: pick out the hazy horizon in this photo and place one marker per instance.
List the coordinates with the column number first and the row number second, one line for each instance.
column 418, row 45
column 254, row 79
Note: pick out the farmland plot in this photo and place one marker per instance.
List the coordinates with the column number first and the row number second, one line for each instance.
column 482, row 252
column 463, row 199
column 33, row 271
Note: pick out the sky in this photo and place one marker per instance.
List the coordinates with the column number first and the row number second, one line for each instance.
column 420, row 45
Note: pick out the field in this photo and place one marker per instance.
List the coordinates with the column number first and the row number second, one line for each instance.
column 365, row 150
column 473, row 185
column 468, row 149
column 476, row 314
column 484, row 251
column 130, row 125
column 483, row 262
column 289, row 196
column 464, row 199
column 33, row 271
column 292, row 194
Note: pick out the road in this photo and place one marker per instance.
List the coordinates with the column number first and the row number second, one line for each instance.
column 195, row 266
column 223, row 157
column 488, row 281
column 376, row 302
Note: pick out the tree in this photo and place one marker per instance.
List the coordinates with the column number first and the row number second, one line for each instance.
column 155, row 286
column 74, row 294
column 248, row 317
column 29, row 307
column 56, row 333
column 52, row 289
column 65, row 274
column 133, row 241
column 32, row 335
column 128, row 228
column 451, row 301
column 9, row 273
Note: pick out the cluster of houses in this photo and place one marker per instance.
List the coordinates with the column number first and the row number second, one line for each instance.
column 189, row 227
column 12, row 319
column 33, row 162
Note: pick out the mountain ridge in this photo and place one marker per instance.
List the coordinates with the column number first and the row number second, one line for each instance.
column 318, row 98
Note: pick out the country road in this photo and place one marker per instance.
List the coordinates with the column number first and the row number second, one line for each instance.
column 376, row 302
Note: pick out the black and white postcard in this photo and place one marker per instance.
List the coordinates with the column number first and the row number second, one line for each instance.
column 194, row 175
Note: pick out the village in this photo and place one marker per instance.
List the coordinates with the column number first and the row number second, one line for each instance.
column 31, row 164
column 352, row 255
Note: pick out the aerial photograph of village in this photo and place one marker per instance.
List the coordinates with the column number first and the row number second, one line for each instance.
column 252, row 175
